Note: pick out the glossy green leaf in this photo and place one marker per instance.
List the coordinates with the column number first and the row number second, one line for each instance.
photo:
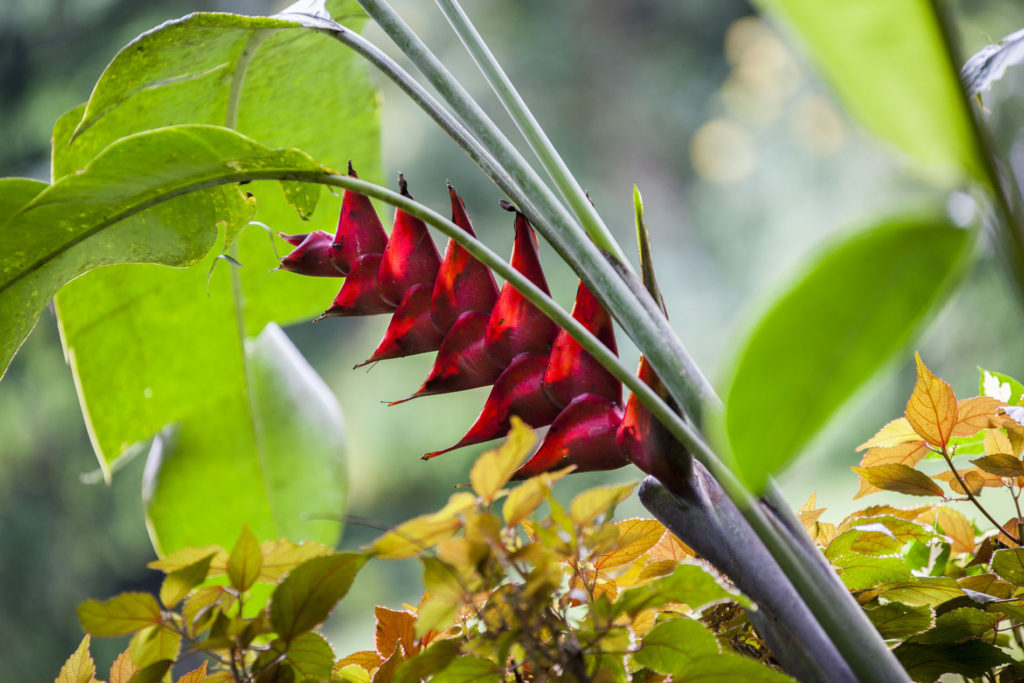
column 123, row 614
column 310, row 592
column 688, row 584
column 309, row 655
column 970, row 659
column 266, row 451
column 857, row 306
column 889, row 62
column 1009, row 565
column 672, row 646
column 896, row 620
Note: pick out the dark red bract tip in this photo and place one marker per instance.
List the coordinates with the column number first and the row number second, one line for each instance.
column 313, row 255
column 359, row 229
column 463, row 283
column 359, row 294
column 410, row 331
column 571, row 370
column 410, row 257
column 517, row 326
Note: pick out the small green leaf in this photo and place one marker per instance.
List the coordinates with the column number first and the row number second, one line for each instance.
column 309, row 654
column 857, row 306
column 245, row 561
column 79, row 667
column 672, row 646
column 123, row 614
column 153, row 673
column 178, row 583
column 1009, row 565
column 688, row 584
column 900, row 478
column 468, row 669
column 153, row 645
column 307, row 595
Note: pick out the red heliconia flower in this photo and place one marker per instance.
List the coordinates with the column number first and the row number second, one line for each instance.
column 571, row 370
column 410, row 257
column 583, row 435
column 359, row 229
column 313, row 255
column 463, row 283
column 517, row 326
column 359, row 295
column 461, row 362
column 516, row 392
column 647, row 443
column 411, row 330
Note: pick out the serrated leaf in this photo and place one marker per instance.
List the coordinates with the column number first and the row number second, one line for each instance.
column 309, row 593
column 177, row 584
column 367, row 660
column 974, row 414
column 411, row 538
column 957, row 626
column 309, row 654
column 909, row 454
column 279, row 557
column 932, row 409
column 153, row 673
column 199, row 607
column 997, row 442
column 394, row 627
column 889, row 279
column 896, row 620
column 587, row 506
column 688, row 584
column 923, row 591
column 428, row 663
column 123, row 668
column 1000, row 464
column 186, row 557
column 860, row 572
column 636, row 536
column 79, row 667
column 672, row 646
column 268, row 452
column 494, row 469
column 245, row 561
column 467, row 669
column 958, row 528
column 195, row 676
column 899, row 478
column 152, row 646
column 123, row 614
column 894, row 433
column 527, row 497
column 1009, row 565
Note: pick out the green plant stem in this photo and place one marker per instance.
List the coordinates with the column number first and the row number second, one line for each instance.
column 524, row 119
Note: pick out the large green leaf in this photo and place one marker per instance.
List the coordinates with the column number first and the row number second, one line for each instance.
column 853, row 310
column 889, row 62
column 271, row 447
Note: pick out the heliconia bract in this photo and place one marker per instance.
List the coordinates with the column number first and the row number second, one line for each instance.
column 453, row 306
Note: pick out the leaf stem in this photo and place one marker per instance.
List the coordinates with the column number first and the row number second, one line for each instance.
column 977, row 504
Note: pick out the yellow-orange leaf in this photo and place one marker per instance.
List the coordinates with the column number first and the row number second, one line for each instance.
column 123, row 668
column 366, row 659
column 899, row 478
column 974, row 478
column 958, row 528
column 975, row 414
column 670, row 548
column 909, row 453
column 998, row 443
column 823, row 533
column 636, row 536
column 185, row 557
column 350, row 673
column 79, row 668
column 1013, row 526
column 600, row 500
column 526, row 497
column 923, row 514
column 1000, row 464
column 809, row 514
column 892, row 434
column 394, row 627
column 932, row 408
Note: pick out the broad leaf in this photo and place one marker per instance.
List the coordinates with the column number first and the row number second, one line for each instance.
column 672, row 646
column 149, row 345
column 896, row 620
column 857, row 307
column 932, row 409
column 889, row 62
column 79, row 668
column 245, row 561
column 310, row 592
column 264, row 451
column 971, row 659
column 178, row 583
column 495, row 468
column 1009, row 564
column 123, row 614
column 899, row 478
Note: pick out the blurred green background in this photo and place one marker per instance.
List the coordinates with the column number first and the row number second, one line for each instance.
column 746, row 164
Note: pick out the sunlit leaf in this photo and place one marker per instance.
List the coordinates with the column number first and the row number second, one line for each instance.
column 989, row 584
column 974, row 414
column 896, row 620
column 368, row 660
column 810, row 513
column 245, row 561
column 672, row 646
column 909, row 454
column 79, row 668
column 1009, row 565
column 932, row 408
column 308, row 594
column 923, row 591
column 177, row 584
column 394, row 627
column 279, row 557
column 153, row 673
column 309, row 654
column 468, row 669
column 123, row 668
column 186, row 557
column 688, row 584
column 494, row 469
column 154, row 645
column 997, row 442
column 429, row 662
column 971, row 659
column 411, row 538
column 956, row 626
column 894, row 433
column 528, row 496
column 1000, row 464
column 899, row 478
column 958, row 528
column 194, row 676
column 858, row 305
column 123, row 614
column 588, row 505
column 636, row 536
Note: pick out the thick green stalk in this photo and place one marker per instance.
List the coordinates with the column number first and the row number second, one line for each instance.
column 530, row 128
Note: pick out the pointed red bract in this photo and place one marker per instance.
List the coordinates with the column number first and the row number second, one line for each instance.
column 461, row 362
column 359, row 294
column 517, row 326
column 647, row 443
column 463, row 283
column 410, row 330
column 313, row 255
column 359, row 229
column 571, row 370
column 583, row 435
column 410, row 258
column 295, row 240
column 516, row 392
